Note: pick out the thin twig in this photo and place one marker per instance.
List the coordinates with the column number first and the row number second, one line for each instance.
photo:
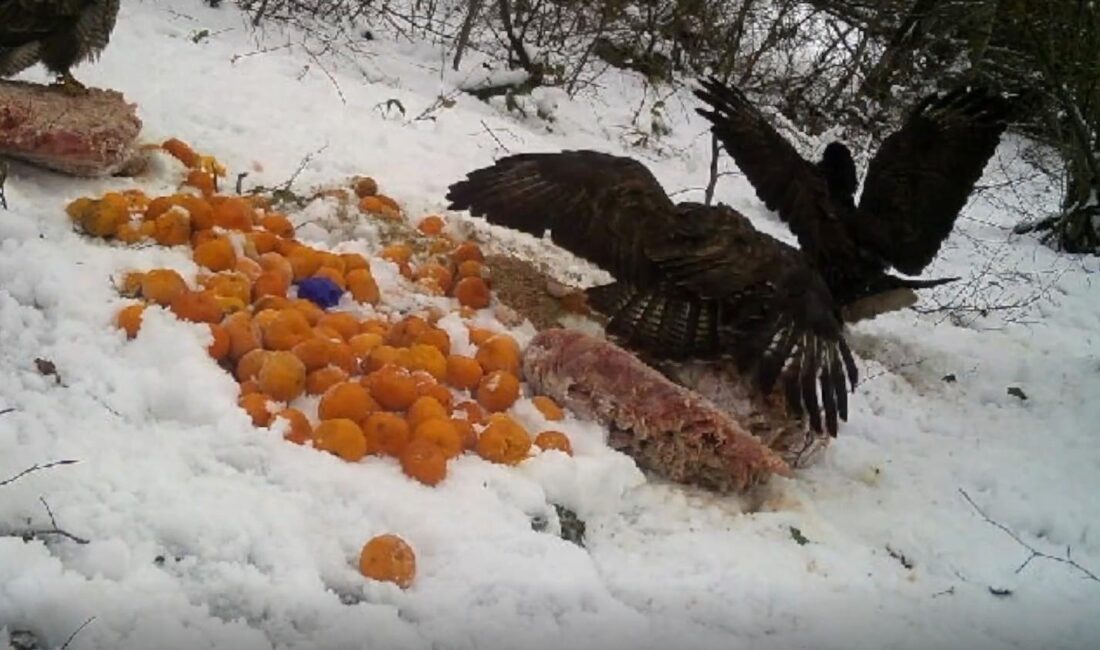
column 75, row 632
column 494, row 136
column 1031, row 549
column 34, row 468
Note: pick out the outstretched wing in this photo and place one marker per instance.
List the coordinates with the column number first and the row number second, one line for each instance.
column 691, row 281
column 922, row 175
column 595, row 205
column 784, row 180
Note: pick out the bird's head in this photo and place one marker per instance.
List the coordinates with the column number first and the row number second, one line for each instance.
column 839, row 169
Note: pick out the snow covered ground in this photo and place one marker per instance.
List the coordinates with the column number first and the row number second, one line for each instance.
column 207, row 533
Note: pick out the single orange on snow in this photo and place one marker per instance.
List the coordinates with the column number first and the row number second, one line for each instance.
column 129, row 319
column 389, row 559
column 424, row 461
column 554, row 440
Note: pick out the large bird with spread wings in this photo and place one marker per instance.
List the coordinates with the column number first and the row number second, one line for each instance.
column 57, row 33
column 691, row 281
column 917, row 183
column 700, row 282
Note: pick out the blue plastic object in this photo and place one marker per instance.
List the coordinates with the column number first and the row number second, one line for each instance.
column 320, row 291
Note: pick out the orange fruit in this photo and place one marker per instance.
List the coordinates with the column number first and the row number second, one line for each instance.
column 197, row 307
column 424, row 408
column 463, row 372
column 346, row 324
column 548, row 407
column 278, row 224
column 467, row 251
column 282, row 376
column 499, row 352
column 431, row 225
column 470, row 411
column 287, row 329
column 503, row 441
column 219, row 348
column 129, row 319
column 440, row 432
column 389, row 559
column 349, row 400
column 424, row 461
column 393, row 388
column 362, row 344
column 173, row 228
column 365, row 186
column 342, row 438
column 234, row 213
column 162, row 286
column 255, row 404
column 249, row 365
column 386, row 432
column 405, row 332
column 244, row 336
column 472, row 292
column 300, row 429
column 320, row 380
column 554, row 440
column 427, row 358
column 498, row 390
column 216, row 254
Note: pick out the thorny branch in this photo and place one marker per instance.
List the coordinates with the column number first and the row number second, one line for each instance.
column 1033, row 552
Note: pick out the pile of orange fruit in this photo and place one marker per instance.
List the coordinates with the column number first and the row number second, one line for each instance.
column 387, row 384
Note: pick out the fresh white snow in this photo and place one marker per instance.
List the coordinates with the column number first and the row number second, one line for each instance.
column 208, row 533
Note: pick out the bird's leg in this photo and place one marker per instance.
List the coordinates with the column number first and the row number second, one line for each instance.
column 69, row 85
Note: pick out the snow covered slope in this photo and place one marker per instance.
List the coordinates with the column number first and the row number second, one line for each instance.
column 207, row 533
